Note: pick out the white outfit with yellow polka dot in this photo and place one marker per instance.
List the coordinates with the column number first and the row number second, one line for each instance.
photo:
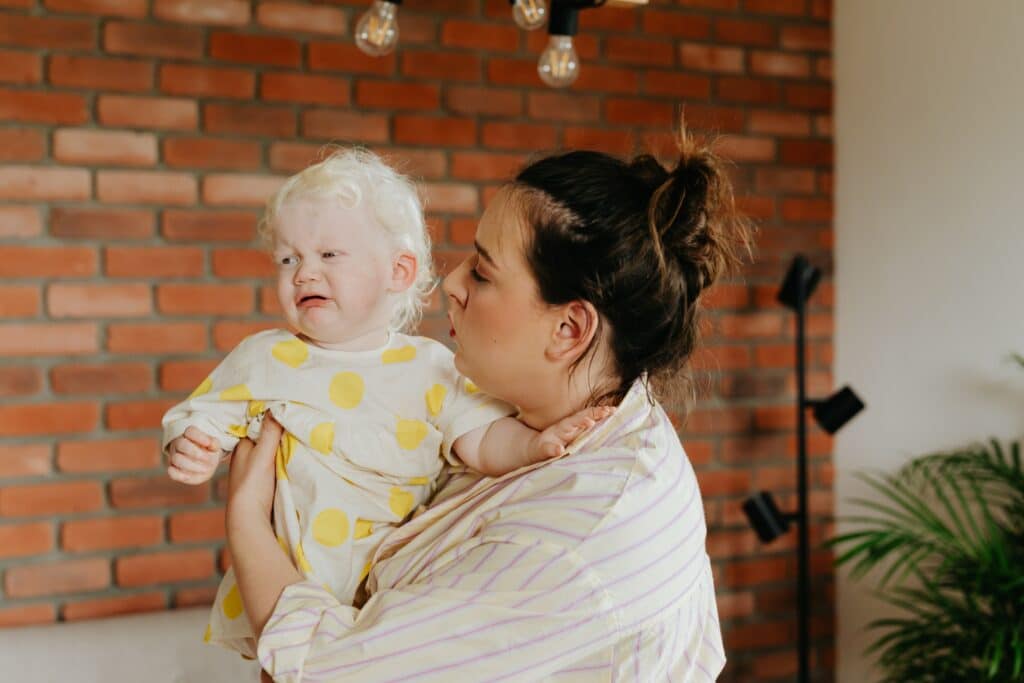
column 366, row 435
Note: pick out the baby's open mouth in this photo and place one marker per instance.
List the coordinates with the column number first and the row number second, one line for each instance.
column 312, row 298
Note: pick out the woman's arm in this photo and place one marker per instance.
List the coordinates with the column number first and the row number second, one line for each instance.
column 261, row 569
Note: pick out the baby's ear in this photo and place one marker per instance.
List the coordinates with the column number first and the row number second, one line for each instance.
column 403, row 271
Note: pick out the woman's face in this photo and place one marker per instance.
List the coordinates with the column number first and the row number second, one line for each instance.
column 499, row 322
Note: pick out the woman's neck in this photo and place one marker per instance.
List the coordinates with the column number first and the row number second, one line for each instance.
column 564, row 396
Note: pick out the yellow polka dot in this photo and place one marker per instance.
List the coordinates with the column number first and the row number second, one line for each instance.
column 232, row 603
column 366, row 570
column 410, row 433
column 364, row 528
column 346, row 390
column 236, row 393
column 471, row 388
column 402, row 355
column 237, row 430
column 292, row 353
column 400, row 502
column 322, row 437
column 284, row 546
column 256, row 407
column 203, row 388
column 208, row 634
column 435, row 399
column 300, row 558
column 330, row 527
column 419, row 481
column 284, row 455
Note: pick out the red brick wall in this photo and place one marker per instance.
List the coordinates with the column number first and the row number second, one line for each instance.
column 138, row 139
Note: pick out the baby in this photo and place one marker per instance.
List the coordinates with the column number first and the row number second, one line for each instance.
column 370, row 414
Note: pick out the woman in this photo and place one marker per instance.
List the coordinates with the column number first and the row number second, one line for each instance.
column 584, row 290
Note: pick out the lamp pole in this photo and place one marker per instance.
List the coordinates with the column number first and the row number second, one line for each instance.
column 803, row 557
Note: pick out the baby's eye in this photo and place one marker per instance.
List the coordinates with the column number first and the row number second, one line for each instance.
column 329, row 254
column 287, row 260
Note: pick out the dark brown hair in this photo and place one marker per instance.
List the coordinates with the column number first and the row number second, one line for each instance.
column 639, row 242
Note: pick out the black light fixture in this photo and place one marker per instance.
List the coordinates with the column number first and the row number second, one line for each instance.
column 831, row 414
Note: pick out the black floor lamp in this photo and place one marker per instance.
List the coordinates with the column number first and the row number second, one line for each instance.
column 830, row 414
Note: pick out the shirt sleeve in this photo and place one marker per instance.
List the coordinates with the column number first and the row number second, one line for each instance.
column 505, row 609
column 464, row 409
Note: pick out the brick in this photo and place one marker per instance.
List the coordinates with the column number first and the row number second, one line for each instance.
column 194, row 526
column 204, row 299
column 44, row 183
column 47, row 32
column 154, row 338
column 794, row 8
column 35, row 262
column 227, row 333
column 398, row 96
column 27, row 615
column 100, row 73
column 20, row 381
column 21, row 144
column 305, row 88
column 779, row 64
column 509, row 135
column 300, row 17
column 614, row 141
column 19, row 221
column 724, row 482
column 450, row 197
column 25, row 540
column 101, row 608
column 109, row 533
column 753, row 325
column 476, row 35
column 807, row 210
column 608, row 79
column 155, row 492
column 486, row 166
column 779, row 123
column 741, row 148
column 124, row 8
column 19, row 301
column 249, row 119
column 48, row 418
column 100, row 223
column 146, row 187
column 745, row 32
column 806, row 152
column 184, row 375
column 464, row 99
column 639, row 51
column 678, row 25
column 345, row 126
column 57, row 578
column 749, row 90
column 450, row 66
column 106, row 378
column 293, row 156
column 810, row 38
column 20, row 68
column 99, row 147
column 207, row 81
column 215, row 12
column 164, row 113
column 153, row 40
column 239, row 189
column 202, row 152
column 677, row 84
column 165, row 567
column 785, row 180
column 25, row 460
column 803, row 96
column 242, row 263
column 152, row 262
column 417, row 29
column 208, row 226
column 202, row 596
column 564, row 107
column 348, row 59
column 418, row 163
column 253, row 49
column 757, row 571
column 636, row 111
column 108, row 455
column 42, row 107
column 70, row 497
column 48, row 339
column 138, row 414
column 269, row 303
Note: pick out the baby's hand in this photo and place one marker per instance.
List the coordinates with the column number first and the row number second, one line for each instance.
column 551, row 442
column 194, row 457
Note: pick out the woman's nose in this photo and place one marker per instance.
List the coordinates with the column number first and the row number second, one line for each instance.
column 454, row 284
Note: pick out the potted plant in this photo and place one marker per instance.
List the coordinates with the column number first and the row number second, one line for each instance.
column 946, row 536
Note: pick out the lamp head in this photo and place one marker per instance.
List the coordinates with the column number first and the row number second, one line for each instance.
column 765, row 517
column 801, row 278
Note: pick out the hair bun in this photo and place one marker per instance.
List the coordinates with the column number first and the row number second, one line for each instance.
column 648, row 171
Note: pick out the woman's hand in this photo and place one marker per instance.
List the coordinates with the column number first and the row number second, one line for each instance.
column 251, row 479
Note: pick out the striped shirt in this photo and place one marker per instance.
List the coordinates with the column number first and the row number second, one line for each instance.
column 588, row 568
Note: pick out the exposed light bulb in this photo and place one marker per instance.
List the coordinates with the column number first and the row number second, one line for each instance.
column 559, row 64
column 529, row 14
column 377, row 30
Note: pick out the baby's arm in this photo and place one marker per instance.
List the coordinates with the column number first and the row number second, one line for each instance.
column 507, row 444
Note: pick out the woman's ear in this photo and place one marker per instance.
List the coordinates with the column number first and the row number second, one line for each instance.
column 575, row 328
column 403, row 271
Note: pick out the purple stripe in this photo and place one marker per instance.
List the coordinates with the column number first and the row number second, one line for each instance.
column 636, row 656
column 487, row 555
column 540, row 569
column 538, row 527
column 511, row 564
column 576, row 669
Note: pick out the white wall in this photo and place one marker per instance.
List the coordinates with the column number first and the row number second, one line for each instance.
column 929, row 240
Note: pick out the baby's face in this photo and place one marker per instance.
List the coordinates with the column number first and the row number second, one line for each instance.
column 334, row 272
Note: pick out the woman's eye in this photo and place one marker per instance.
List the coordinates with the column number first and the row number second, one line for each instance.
column 476, row 275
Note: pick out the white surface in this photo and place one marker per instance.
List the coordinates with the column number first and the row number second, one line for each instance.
column 164, row 647
column 929, row 241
